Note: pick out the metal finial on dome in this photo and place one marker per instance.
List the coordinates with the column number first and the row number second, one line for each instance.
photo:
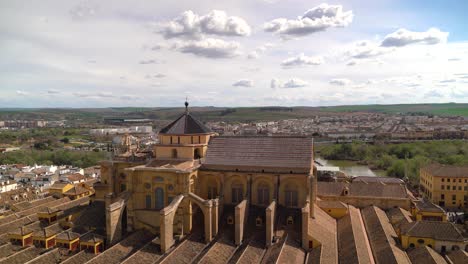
column 186, row 104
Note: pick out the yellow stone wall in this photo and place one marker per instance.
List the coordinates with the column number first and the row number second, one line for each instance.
column 406, row 241
column 336, row 213
column 432, row 189
column 185, row 146
column 225, row 180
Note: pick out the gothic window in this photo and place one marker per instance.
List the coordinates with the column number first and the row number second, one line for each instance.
column 237, row 193
column 263, row 194
column 123, row 187
column 148, row 201
column 174, row 153
column 212, row 192
column 178, row 140
column 291, row 196
column 159, row 194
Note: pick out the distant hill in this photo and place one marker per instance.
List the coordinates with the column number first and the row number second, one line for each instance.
column 224, row 113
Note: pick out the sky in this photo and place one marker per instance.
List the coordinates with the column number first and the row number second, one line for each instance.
column 232, row 53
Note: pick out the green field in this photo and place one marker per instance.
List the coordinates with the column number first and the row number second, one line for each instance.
column 241, row 114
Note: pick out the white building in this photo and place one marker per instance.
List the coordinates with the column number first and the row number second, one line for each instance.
column 8, row 185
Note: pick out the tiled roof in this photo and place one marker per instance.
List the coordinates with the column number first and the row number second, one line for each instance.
column 426, row 255
column 428, row 206
column 447, row 170
column 278, row 154
column 186, row 124
column 76, row 190
column 433, row 229
column 387, row 180
column 374, row 189
column 323, row 229
column 353, row 245
column 68, row 235
column 93, row 216
column 399, row 215
column 459, row 256
column 91, row 238
column 382, row 237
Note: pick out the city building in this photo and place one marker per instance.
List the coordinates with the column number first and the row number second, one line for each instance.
column 441, row 236
column 445, row 185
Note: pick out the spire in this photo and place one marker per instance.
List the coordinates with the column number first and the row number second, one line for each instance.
column 186, row 104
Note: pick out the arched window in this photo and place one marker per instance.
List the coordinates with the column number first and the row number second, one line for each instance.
column 174, row 153
column 291, row 195
column 159, row 194
column 178, row 140
column 237, row 193
column 196, row 154
column 148, row 201
column 411, row 245
column 263, row 194
column 212, row 192
column 421, row 241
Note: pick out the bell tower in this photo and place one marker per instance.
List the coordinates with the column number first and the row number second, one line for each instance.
column 186, row 138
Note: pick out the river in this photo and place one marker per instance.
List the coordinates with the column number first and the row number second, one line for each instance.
column 351, row 168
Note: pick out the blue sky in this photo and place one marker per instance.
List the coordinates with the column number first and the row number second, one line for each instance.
column 231, row 53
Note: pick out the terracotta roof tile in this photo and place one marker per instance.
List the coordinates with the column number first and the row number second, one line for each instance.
column 382, row 237
column 427, row 206
column 459, row 256
column 425, row 255
column 374, row 189
column 323, row 229
column 447, row 170
column 260, row 153
column 433, row 229
column 353, row 245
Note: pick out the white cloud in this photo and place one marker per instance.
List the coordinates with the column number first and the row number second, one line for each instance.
column 83, row 11
column 151, row 61
column 340, row 82
column 217, row 22
column 403, row 37
column 159, row 75
column 313, row 20
column 366, row 49
column 253, row 55
column 433, row 94
column 22, row 93
column 243, row 83
column 209, row 48
column 291, row 83
column 302, row 60
column 53, row 91
column 259, row 51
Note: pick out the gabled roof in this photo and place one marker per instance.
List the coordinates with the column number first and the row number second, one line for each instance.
column 457, row 256
column 441, row 170
column 353, row 244
column 362, row 189
column 68, row 235
column 425, row 254
column 433, row 229
column 428, row 206
column 254, row 153
column 186, row 124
